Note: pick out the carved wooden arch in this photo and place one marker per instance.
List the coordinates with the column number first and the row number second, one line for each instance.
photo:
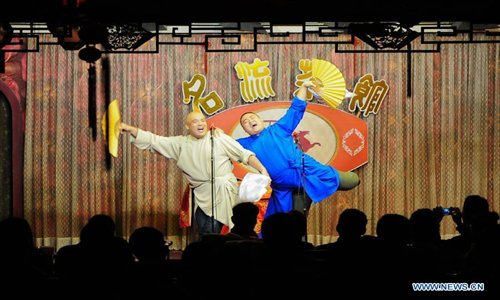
column 17, row 149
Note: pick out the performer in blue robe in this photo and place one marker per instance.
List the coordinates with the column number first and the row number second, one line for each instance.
column 290, row 169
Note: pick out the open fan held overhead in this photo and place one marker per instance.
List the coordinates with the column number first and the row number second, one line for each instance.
column 330, row 83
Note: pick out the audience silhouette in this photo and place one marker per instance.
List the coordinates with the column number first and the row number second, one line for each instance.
column 244, row 219
column 152, row 273
column 404, row 251
column 19, row 260
column 100, row 262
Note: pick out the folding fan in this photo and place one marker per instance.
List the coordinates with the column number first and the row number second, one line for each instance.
column 113, row 116
column 330, row 83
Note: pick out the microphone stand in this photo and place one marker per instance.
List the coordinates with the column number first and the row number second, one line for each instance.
column 302, row 192
column 212, row 176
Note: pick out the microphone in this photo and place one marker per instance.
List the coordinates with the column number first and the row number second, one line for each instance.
column 296, row 139
column 211, row 127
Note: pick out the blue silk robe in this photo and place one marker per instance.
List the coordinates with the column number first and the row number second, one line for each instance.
column 275, row 148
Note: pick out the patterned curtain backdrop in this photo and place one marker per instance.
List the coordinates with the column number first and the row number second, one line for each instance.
column 432, row 148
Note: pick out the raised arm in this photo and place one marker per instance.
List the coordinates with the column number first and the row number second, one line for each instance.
column 168, row 146
column 129, row 129
column 295, row 112
column 302, row 93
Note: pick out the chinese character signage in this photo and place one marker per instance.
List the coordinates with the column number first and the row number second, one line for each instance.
column 368, row 95
column 193, row 93
column 255, row 80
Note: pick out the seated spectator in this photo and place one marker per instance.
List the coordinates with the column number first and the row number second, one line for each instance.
column 244, row 219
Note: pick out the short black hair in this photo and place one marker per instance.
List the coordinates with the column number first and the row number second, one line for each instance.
column 246, row 113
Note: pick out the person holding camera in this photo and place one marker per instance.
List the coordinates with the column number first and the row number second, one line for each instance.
column 474, row 208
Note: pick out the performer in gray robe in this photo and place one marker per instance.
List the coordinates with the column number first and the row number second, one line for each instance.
column 193, row 155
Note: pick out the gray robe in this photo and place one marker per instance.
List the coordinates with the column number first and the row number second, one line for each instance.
column 193, row 157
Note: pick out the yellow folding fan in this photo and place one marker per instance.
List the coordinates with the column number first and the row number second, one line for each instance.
column 113, row 115
column 330, row 83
